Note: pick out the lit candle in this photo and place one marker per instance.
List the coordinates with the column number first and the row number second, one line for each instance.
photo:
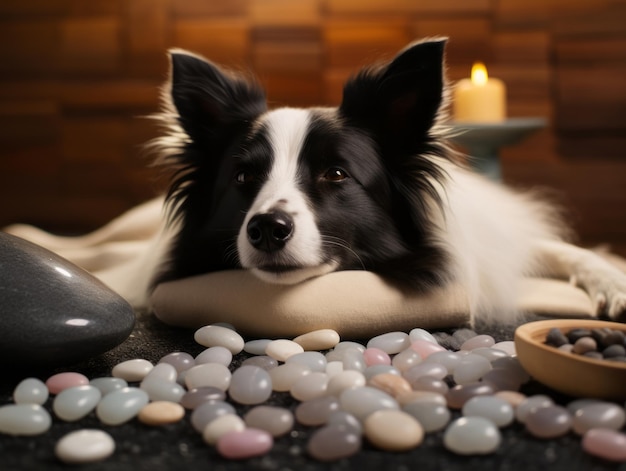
column 480, row 99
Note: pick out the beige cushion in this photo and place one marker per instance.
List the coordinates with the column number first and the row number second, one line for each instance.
column 357, row 304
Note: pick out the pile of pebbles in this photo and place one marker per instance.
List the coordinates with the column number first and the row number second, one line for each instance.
column 386, row 394
column 600, row 344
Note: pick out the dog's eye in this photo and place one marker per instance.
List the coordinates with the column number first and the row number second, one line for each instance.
column 335, row 174
column 244, row 177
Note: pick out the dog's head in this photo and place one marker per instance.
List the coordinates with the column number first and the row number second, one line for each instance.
column 295, row 193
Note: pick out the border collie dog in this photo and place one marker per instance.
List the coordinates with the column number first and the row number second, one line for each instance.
column 291, row 194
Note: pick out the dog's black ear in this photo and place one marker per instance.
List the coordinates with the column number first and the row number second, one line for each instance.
column 210, row 100
column 398, row 101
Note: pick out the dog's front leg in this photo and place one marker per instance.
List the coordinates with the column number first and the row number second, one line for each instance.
column 604, row 282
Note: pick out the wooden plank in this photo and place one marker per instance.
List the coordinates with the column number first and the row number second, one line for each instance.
column 93, row 178
column 204, row 8
column 62, row 213
column 38, row 161
column 592, row 18
column 469, row 38
column 225, row 41
column 91, row 45
column 591, row 118
column 94, row 140
column 33, row 8
column 350, row 43
column 522, row 47
column 286, row 89
column 528, row 14
column 524, row 82
column 93, row 95
column 334, row 80
column 590, row 146
column 29, row 46
column 147, row 24
column 290, row 56
column 590, row 51
column 28, row 122
column 592, row 191
column 538, row 147
column 600, row 84
column 81, row 8
column 302, row 13
column 364, row 7
column 361, row 7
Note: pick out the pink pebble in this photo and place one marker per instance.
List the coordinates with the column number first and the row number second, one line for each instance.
column 59, row 382
column 375, row 356
column 243, row 444
column 606, row 444
column 425, row 348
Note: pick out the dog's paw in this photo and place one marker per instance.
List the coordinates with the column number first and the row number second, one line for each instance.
column 610, row 299
column 617, row 307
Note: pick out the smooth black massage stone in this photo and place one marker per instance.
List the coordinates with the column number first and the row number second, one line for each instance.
column 53, row 313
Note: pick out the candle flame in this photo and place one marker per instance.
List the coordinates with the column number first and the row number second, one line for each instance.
column 479, row 74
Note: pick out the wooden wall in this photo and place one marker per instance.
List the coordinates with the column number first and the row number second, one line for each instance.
column 75, row 75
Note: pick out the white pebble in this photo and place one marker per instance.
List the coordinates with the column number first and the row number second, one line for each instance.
column 606, row 415
column 421, row 334
column 75, row 403
column 284, row 376
column 160, row 390
column 314, row 360
column 333, row 368
column 499, row 411
column 322, row 339
column 432, row 416
column 353, row 360
column 107, row 385
column 472, row 436
column 132, row 370
column 376, row 370
column 361, row 402
column 30, row 391
column 530, row 403
column 24, row 419
column 347, row 379
column 163, row 372
column 393, row 430
column 471, row 368
column 406, row 359
column 222, row 425
column 448, row 359
column 490, row 353
column 120, row 406
column 310, row 386
column 422, row 396
column 256, row 347
column 391, row 342
column 84, row 446
column 217, row 354
column 208, row 374
column 282, row 349
column 508, row 346
column 218, row 336
column 250, row 385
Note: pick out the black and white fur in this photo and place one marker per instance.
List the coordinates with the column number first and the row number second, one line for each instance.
column 292, row 194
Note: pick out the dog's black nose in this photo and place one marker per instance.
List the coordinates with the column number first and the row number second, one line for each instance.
column 270, row 231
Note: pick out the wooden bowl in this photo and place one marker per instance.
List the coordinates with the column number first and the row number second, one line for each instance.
column 569, row 373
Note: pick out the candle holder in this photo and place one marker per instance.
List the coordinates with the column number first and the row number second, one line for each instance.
column 483, row 141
